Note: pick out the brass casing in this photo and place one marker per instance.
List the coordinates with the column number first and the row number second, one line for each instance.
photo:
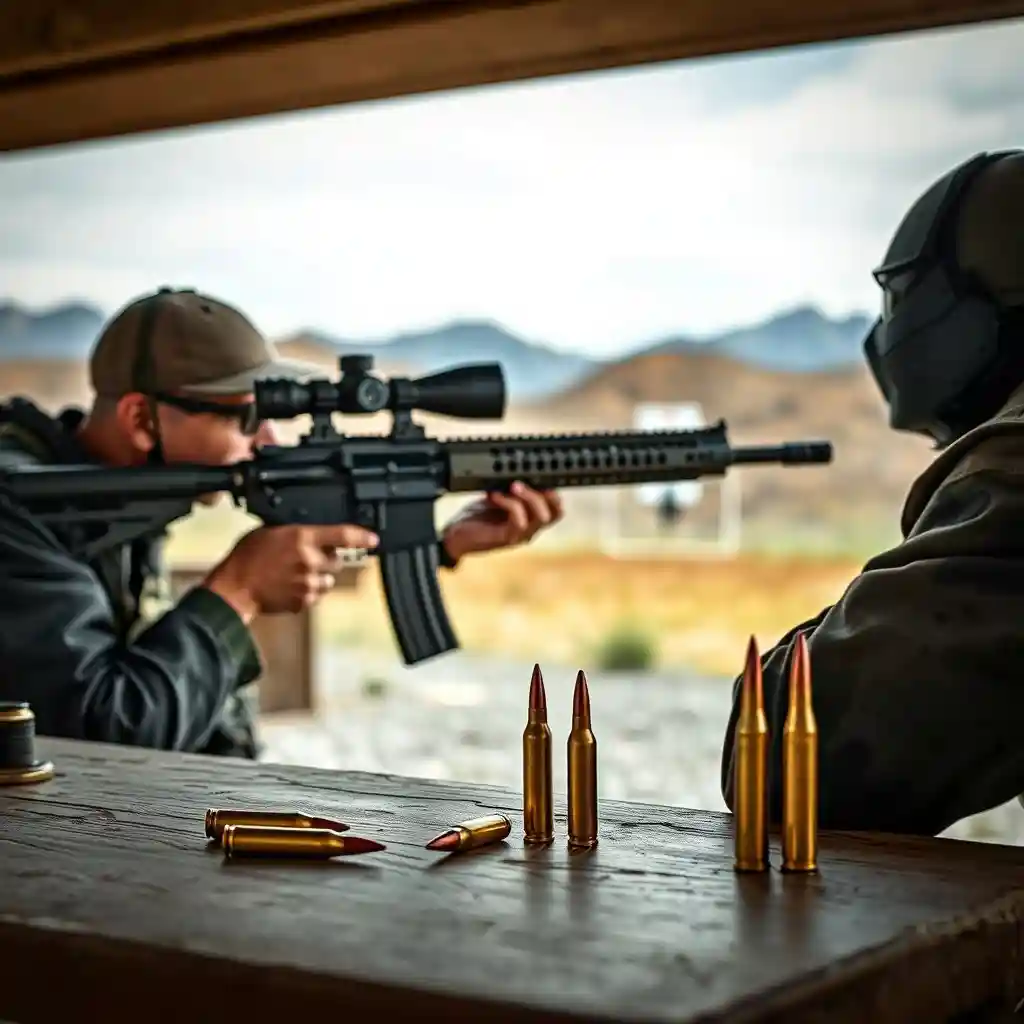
column 582, row 785
column 21, row 714
column 491, row 828
column 218, row 819
column 800, row 802
column 16, row 713
column 800, row 768
column 41, row 772
column 800, row 793
column 305, row 843
column 750, row 770
column 750, row 797
column 538, row 802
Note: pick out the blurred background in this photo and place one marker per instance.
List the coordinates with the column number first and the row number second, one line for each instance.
column 666, row 245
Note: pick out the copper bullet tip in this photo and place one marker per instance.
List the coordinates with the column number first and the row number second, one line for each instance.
column 801, row 667
column 445, row 841
column 753, row 654
column 751, row 693
column 538, row 699
column 357, row 844
column 581, row 697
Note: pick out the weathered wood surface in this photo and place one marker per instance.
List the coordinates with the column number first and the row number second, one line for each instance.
column 108, row 887
column 83, row 69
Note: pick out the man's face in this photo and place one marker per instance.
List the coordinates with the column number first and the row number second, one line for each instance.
column 209, row 437
column 211, row 431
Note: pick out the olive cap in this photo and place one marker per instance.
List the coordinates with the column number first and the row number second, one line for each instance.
column 178, row 340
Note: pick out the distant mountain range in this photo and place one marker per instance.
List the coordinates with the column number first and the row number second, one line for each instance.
column 802, row 340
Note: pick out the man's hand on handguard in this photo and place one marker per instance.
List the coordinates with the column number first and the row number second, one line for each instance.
column 284, row 568
column 501, row 521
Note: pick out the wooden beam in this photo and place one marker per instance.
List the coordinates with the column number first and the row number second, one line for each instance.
column 42, row 35
column 101, row 68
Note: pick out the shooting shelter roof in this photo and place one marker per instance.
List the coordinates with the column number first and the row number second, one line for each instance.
column 72, row 70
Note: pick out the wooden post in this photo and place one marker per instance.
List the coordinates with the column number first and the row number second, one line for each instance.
column 287, row 644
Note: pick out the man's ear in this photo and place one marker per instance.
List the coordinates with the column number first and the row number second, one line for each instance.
column 136, row 421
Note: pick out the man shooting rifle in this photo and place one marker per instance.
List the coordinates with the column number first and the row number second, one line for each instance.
column 96, row 646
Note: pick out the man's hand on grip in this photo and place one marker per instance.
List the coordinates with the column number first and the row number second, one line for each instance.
column 284, row 568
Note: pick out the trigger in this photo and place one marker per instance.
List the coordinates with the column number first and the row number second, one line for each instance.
column 367, row 515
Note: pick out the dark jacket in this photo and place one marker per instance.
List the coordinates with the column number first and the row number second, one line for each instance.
column 918, row 668
column 99, row 650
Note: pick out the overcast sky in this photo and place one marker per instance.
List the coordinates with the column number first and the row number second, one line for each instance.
column 593, row 212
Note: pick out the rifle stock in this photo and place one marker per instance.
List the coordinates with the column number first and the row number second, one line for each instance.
column 386, row 483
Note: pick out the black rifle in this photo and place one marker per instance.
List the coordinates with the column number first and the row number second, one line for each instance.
column 388, row 484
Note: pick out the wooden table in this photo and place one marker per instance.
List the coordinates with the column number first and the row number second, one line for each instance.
column 113, row 908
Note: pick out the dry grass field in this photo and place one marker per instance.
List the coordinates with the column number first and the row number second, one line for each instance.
column 572, row 607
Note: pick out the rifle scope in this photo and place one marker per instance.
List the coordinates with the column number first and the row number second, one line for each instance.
column 474, row 391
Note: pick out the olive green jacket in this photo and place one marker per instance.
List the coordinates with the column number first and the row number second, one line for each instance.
column 918, row 668
column 100, row 650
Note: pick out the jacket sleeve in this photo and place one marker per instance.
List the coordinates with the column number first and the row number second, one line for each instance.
column 59, row 650
column 918, row 669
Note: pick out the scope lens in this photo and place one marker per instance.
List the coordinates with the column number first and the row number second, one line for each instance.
column 372, row 394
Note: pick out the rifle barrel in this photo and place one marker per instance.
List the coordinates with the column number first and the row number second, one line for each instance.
column 793, row 453
column 608, row 459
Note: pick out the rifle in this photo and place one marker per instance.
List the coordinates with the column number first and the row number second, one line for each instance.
column 388, row 484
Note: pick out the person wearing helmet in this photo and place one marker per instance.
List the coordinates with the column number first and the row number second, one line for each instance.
column 918, row 668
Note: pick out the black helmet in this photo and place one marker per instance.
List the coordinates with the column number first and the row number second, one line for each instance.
column 952, row 282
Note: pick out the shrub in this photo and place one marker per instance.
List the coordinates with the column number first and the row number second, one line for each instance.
column 626, row 648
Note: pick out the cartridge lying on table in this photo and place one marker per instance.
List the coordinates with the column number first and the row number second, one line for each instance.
column 218, row 820
column 469, row 835
column 286, row 843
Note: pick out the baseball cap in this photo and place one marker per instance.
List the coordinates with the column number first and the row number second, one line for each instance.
column 990, row 230
column 179, row 340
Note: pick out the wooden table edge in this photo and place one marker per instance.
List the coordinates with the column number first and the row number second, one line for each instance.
column 964, row 963
column 964, row 960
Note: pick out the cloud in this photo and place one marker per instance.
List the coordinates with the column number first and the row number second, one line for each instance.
column 592, row 212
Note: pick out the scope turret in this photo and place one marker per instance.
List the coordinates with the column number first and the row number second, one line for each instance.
column 470, row 391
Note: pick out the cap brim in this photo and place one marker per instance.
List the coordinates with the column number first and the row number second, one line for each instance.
column 244, row 382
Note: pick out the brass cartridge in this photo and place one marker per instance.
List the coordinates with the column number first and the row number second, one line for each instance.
column 582, row 764
column 292, row 843
column 469, row 835
column 538, row 803
column 750, row 770
column 800, row 768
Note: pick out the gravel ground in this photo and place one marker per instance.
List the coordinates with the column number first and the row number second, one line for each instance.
column 461, row 718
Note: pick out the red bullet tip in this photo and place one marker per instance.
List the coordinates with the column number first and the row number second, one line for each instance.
column 752, row 684
column 581, row 697
column 753, row 654
column 357, row 844
column 445, row 841
column 800, row 669
column 538, row 699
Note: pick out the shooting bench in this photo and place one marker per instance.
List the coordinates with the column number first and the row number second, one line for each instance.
column 288, row 643
column 110, row 888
